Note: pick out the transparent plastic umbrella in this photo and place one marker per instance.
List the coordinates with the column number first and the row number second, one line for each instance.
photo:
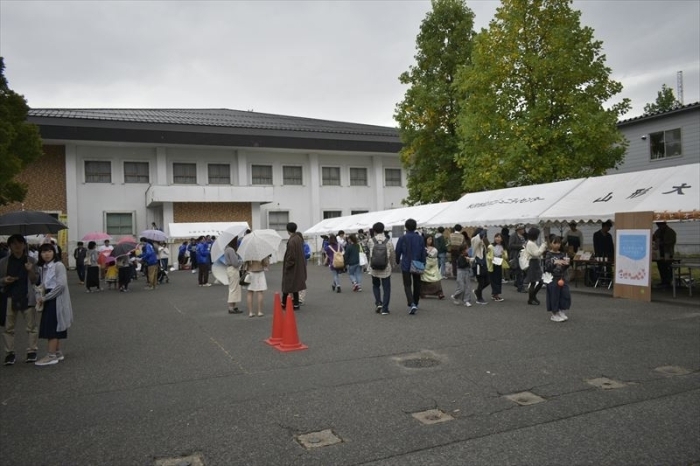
column 154, row 235
column 225, row 237
column 259, row 244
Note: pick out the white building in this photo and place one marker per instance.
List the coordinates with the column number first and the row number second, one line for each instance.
column 127, row 168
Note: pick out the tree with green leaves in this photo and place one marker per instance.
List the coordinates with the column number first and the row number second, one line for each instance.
column 536, row 89
column 427, row 116
column 20, row 142
column 665, row 101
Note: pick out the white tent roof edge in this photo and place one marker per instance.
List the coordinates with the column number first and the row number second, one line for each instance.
column 584, row 201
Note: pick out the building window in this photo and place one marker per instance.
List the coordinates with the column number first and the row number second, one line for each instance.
column 358, row 177
column 392, row 177
column 185, row 173
column 665, row 144
column 355, row 212
column 291, row 176
column 219, row 173
column 98, row 172
column 277, row 220
column 330, row 176
column 119, row 223
column 136, row 172
column 332, row 214
column 262, row 174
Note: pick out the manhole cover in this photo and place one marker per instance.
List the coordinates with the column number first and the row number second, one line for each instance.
column 525, row 398
column 318, row 439
column 672, row 370
column 432, row 416
column 420, row 363
column 605, row 383
column 192, row 460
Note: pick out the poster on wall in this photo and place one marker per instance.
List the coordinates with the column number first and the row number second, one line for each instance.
column 632, row 258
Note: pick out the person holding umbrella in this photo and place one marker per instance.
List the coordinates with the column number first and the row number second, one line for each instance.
column 294, row 268
column 150, row 259
column 92, row 276
column 256, row 249
column 18, row 274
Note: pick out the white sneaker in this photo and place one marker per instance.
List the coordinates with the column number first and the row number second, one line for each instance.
column 556, row 318
column 563, row 316
column 468, row 304
column 194, row 271
column 48, row 360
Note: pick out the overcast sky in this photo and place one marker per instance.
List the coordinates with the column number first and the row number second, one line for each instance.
column 336, row 60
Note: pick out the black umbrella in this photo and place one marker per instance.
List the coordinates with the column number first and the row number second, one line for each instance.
column 122, row 249
column 29, row 222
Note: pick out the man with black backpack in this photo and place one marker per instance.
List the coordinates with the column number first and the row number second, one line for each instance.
column 381, row 255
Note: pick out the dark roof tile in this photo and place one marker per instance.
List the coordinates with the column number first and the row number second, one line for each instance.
column 222, row 117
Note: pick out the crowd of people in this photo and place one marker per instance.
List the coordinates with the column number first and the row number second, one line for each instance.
column 34, row 279
column 476, row 263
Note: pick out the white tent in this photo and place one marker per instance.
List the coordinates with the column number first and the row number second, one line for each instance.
column 672, row 193
column 348, row 223
column 672, row 189
column 420, row 213
column 390, row 218
column 677, row 197
column 509, row 206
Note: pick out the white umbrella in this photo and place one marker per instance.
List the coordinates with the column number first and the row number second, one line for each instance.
column 154, row 235
column 219, row 271
column 225, row 237
column 259, row 244
column 35, row 239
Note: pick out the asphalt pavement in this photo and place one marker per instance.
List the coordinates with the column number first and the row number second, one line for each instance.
column 169, row 377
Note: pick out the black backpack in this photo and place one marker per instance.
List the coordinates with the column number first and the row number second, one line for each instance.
column 380, row 256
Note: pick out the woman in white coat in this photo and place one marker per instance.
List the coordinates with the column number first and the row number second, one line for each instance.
column 57, row 312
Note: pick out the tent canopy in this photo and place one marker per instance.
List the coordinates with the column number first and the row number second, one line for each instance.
column 672, row 193
column 390, row 218
column 663, row 191
column 508, row 206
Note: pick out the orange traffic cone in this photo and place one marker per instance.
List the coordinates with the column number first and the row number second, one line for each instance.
column 277, row 322
column 290, row 337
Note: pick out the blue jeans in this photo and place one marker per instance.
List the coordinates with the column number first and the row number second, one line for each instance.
column 442, row 258
column 386, row 288
column 355, row 273
column 336, row 277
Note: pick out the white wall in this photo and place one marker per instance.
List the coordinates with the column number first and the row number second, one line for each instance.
column 305, row 203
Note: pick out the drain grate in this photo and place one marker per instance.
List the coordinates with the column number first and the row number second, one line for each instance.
column 672, row 370
column 322, row 438
column 420, row 363
column 605, row 384
column 525, row 398
column 432, row 416
column 195, row 459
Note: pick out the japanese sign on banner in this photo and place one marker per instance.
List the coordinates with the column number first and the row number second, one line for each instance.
column 632, row 258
